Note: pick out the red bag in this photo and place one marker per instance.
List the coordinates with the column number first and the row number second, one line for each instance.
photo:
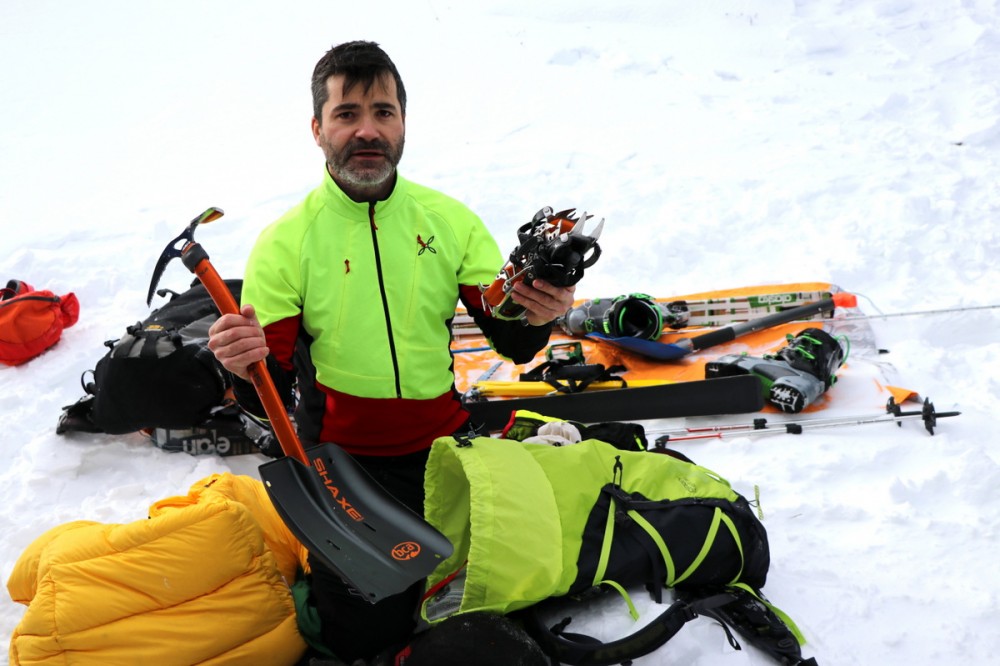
column 32, row 321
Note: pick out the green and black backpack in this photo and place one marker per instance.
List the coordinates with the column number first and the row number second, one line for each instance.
column 537, row 528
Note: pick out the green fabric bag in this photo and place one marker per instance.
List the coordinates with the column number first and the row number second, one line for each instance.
column 532, row 521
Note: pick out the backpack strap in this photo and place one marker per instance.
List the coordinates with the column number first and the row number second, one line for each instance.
column 734, row 608
column 621, row 513
column 760, row 623
column 583, row 650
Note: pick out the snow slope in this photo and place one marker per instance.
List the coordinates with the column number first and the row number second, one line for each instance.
column 725, row 142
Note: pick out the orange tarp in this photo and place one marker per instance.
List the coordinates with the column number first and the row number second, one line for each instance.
column 474, row 361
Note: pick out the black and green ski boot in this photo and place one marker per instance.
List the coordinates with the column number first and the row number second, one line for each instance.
column 631, row 316
column 796, row 375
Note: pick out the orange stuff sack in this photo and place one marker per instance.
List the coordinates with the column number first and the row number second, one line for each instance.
column 32, row 321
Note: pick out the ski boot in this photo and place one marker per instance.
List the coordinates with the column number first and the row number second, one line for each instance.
column 632, row 316
column 795, row 376
column 551, row 247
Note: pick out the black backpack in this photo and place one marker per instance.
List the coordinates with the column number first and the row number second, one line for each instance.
column 161, row 378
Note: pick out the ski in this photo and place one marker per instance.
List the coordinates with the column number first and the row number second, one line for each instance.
column 724, row 395
column 702, row 313
column 740, row 309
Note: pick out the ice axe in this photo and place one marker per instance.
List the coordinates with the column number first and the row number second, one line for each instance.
column 338, row 512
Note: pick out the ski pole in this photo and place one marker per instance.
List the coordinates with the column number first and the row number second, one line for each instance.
column 851, row 302
column 894, row 414
column 890, row 315
column 730, row 333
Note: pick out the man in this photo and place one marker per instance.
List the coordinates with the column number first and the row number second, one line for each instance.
column 366, row 273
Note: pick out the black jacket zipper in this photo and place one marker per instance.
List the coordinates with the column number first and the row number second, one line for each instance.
column 385, row 300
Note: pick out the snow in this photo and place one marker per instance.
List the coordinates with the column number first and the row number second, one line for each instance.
column 726, row 143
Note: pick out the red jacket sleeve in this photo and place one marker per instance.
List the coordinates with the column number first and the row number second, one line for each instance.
column 281, row 337
column 516, row 340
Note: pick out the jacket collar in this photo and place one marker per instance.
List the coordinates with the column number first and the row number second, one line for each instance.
column 339, row 200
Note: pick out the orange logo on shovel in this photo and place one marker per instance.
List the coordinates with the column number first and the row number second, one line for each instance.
column 406, row 550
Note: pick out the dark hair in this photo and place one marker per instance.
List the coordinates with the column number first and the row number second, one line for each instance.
column 480, row 638
column 360, row 63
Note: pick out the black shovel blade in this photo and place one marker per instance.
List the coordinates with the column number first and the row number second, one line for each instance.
column 347, row 520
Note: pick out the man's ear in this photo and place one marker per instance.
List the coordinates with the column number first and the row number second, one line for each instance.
column 315, row 129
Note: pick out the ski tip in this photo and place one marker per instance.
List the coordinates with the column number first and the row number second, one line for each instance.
column 845, row 299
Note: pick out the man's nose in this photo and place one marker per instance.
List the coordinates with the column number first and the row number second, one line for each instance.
column 367, row 129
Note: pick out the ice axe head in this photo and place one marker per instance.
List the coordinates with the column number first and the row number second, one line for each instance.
column 175, row 248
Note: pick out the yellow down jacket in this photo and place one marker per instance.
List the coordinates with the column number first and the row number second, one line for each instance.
column 205, row 580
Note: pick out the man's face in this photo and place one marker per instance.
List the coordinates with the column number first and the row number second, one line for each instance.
column 362, row 135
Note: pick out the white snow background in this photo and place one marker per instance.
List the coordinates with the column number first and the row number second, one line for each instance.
column 726, row 143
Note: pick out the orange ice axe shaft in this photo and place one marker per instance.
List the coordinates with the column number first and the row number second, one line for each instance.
column 196, row 259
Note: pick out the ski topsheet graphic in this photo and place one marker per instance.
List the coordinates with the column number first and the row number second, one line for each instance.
column 701, row 312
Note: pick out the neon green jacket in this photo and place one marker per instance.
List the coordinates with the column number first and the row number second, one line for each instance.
column 374, row 287
column 323, row 258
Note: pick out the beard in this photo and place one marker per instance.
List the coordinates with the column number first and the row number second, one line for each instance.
column 360, row 175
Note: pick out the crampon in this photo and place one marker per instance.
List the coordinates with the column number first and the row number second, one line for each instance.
column 551, row 247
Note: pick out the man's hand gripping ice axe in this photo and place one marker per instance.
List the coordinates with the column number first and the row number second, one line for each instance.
column 324, row 497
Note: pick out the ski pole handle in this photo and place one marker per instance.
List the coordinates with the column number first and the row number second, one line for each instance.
column 197, row 261
column 730, row 333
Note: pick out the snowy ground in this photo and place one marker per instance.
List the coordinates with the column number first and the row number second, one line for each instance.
column 726, row 143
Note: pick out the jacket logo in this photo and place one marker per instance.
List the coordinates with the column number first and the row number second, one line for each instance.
column 425, row 247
